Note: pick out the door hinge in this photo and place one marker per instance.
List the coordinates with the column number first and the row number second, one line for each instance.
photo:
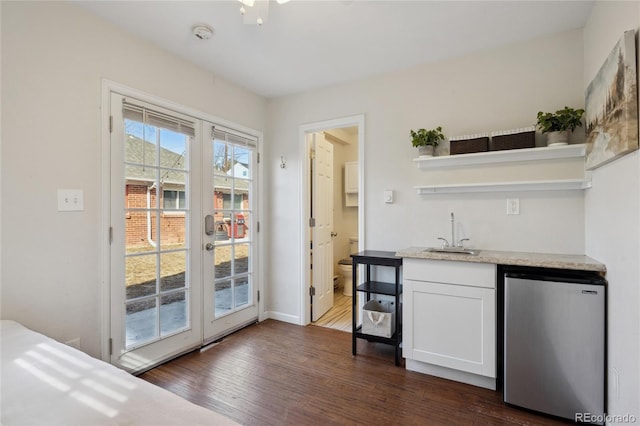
column 258, row 295
column 110, row 234
column 312, row 291
column 110, row 346
column 312, row 222
column 111, row 124
column 258, row 158
column 257, row 226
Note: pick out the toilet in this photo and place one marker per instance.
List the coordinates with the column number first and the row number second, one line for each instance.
column 345, row 268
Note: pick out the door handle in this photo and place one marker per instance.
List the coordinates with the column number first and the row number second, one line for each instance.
column 334, row 234
column 208, row 246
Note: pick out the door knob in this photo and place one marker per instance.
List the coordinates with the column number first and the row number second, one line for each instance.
column 334, row 234
column 209, row 246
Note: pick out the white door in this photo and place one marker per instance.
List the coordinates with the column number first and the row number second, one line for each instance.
column 155, row 227
column 230, row 256
column 322, row 213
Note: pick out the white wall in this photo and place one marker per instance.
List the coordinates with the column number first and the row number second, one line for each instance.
column 498, row 89
column 54, row 56
column 612, row 223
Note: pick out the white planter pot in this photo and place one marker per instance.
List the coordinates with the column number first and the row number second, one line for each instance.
column 425, row 151
column 557, row 138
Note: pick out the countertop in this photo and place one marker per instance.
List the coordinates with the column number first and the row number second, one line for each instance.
column 544, row 260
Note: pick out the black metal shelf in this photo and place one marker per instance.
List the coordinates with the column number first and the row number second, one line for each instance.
column 377, row 258
column 378, row 287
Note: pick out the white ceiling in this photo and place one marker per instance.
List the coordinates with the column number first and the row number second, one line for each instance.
column 305, row 45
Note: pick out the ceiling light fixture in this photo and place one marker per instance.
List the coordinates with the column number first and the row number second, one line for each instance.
column 256, row 12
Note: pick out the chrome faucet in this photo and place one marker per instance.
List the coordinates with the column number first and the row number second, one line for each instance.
column 446, row 243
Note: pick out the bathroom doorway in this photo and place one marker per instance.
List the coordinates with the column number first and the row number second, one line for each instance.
column 343, row 190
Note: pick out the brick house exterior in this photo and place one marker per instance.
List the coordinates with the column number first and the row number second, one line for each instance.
column 141, row 193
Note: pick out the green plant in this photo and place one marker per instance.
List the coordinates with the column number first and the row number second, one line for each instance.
column 424, row 137
column 561, row 120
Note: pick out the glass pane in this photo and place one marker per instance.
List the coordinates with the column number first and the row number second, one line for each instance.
column 140, row 143
column 222, row 157
column 242, row 291
column 173, row 149
column 139, row 181
column 221, row 233
column 222, row 258
column 173, row 312
column 173, row 180
column 222, row 192
column 223, row 297
column 136, row 225
column 141, row 323
column 140, row 275
column 173, row 230
column 241, row 194
column 242, row 162
column 241, row 225
column 241, row 256
column 173, row 267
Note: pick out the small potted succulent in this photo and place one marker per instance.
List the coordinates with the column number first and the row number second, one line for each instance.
column 426, row 140
column 559, row 124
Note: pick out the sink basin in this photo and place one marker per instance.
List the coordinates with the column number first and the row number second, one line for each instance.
column 457, row 250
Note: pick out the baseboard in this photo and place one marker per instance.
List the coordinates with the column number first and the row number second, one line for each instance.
column 279, row 316
column 448, row 373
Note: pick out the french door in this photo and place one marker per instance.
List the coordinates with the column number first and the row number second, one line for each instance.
column 230, row 262
column 171, row 287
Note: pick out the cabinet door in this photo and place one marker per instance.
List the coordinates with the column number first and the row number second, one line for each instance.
column 451, row 326
column 351, row 177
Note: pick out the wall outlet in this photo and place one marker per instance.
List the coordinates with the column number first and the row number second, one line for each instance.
column 513, row 206
column 70, row 200
column 74, row 343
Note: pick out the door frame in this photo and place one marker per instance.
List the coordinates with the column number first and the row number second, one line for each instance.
column 305, row 197
column 107, row 88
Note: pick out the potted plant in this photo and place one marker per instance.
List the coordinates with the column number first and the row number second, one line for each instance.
column 559, row 124
column 426, row 140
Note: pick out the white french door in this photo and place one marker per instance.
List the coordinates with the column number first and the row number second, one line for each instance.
column 176, row 280
column 230, row 261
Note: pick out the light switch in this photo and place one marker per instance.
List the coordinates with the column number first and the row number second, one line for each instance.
column 70, row 200
column 388, row 196
column 513, row 206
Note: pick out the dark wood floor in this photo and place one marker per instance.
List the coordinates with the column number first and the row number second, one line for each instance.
column 274, row 373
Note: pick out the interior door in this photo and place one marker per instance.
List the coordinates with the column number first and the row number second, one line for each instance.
column 230, row 256
column 322, row 213
column 155, row 228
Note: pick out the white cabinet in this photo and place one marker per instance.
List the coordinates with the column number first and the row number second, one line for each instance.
column 449, row 319
column 351, row 183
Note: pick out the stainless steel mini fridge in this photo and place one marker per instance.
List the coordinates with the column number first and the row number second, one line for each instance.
column 554, row 343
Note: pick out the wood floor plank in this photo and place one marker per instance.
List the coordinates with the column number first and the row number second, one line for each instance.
column 274, row 373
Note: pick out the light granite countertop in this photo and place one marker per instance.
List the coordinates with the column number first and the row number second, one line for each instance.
column 544, row 260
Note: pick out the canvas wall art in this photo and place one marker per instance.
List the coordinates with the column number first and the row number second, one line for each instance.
column 612, row 106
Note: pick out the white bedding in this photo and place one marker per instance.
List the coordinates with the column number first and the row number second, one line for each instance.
column 44, row 382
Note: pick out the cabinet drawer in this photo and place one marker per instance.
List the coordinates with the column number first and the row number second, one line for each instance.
column 450, row 272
